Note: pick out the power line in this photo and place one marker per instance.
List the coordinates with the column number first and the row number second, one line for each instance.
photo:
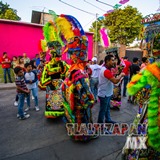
column 94, row 5
column 77, row 8
column 104, row 3
column 159, row 7
column 90, row 22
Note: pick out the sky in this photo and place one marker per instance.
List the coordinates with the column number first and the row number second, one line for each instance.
column 24, row 8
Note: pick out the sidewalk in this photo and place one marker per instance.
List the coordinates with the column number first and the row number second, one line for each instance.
column 6, row 86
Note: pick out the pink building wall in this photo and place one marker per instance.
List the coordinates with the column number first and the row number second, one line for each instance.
column 19, row 37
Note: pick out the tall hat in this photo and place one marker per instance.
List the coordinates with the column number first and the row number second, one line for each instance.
column 74, row 37
column 53, row 39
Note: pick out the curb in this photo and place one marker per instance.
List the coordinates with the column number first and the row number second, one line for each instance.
column 7, row 88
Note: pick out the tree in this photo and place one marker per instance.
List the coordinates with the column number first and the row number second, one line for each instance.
column 123, row 25
column 156, row 44
column 8, row 13
column 95, row 29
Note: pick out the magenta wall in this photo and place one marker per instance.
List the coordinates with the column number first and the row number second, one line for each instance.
column 18, row 37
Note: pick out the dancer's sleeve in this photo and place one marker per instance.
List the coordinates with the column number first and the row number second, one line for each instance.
column 137, row 82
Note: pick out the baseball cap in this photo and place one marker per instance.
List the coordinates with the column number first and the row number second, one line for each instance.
column 94, row 59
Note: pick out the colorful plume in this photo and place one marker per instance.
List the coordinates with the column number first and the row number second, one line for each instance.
column 66, row 28
column 51, row 33
column 43, row 45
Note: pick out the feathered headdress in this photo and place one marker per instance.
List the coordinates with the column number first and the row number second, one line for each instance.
column 43, row 45
column 52, row 36
column 74, row 37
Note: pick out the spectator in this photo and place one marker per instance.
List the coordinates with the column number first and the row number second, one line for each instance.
column 20, row 62
column 40, row 69
column 134, row 69
column 95, row 69
column 116, row 97
column 34, row 69
column 101, row 62
column 89, row 62
column 31, row 80
column 6, row 65
column 145, row 62
column 105, row 88
column 33, row 64
column 37, row 59
column 14, row 62
column 26, row 59
column 126, row 71
column 22, row 92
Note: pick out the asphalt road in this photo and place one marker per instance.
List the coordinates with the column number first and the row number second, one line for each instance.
column 38, row 138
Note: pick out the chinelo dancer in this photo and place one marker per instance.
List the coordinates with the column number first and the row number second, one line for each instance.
column 54, row 71
column 148, row 82
column 78, row 98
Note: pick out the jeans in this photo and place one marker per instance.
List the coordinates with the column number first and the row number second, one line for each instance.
column 104, row 109
column 125, row 81
column 35, row 95
column 16, row 99
column 5, row 72
column 21, row 97
column 94, row 86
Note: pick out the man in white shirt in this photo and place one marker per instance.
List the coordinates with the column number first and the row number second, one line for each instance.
column 105, row 89
column 95, row 70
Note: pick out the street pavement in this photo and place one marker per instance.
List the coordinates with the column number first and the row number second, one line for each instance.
column 38, row 138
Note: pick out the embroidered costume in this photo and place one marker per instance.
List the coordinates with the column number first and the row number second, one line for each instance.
column 53, row 73
column 78, row 99
column 147, row 86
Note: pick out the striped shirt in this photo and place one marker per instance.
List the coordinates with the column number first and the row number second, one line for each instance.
column 20, row 82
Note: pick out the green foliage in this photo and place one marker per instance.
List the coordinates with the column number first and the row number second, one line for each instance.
column 8, row 13
column 156, row 44
column 97, row 24
column 123, row 25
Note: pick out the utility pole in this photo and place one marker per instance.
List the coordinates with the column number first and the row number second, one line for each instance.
column 96, row 36
column 43, row 15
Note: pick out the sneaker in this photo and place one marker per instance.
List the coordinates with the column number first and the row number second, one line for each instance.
column 36, row 108
column 32, row 97
column 15, row 103
column 25, row 113
column 25, row 117
column 27, row 109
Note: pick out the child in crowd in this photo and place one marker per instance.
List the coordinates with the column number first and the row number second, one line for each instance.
column 22, row 92
column 31, row 80
column 14, row 62
column 34, row 69
column 40, row 69
column 19, row 63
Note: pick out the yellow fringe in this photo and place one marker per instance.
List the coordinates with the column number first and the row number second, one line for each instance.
column 65, row 27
